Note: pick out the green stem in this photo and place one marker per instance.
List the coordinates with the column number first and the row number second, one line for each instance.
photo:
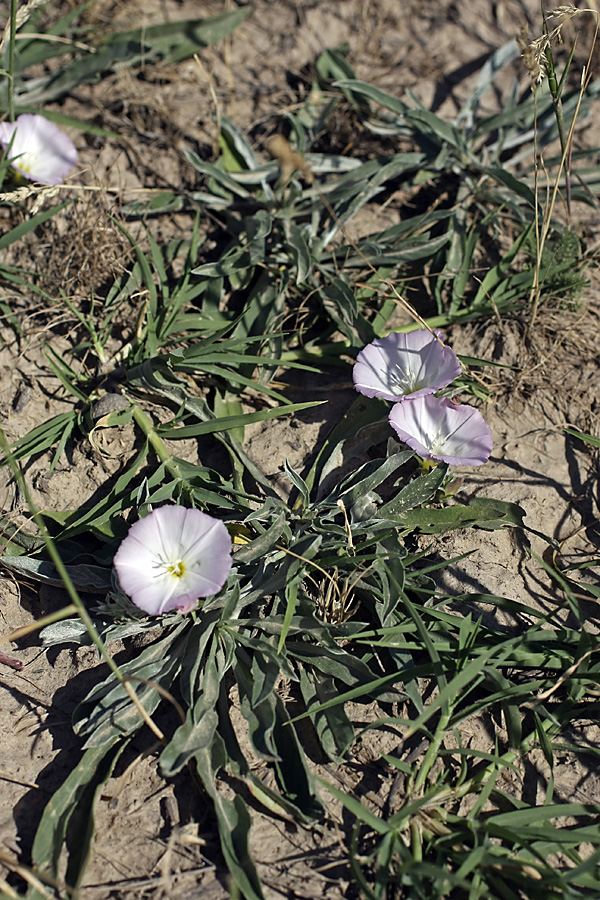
column 416, row 842
column 146, row 425
column 556, row 101
column 432, row 752
column 506, row 759
column 555, row 92
column 11, row 60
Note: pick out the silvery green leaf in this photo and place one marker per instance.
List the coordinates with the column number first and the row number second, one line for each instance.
column 363, row 89
column 69, row 631
column 93, row 579
column 239, row 143
column 501, row 57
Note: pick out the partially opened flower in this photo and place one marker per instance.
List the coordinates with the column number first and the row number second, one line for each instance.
column 173, row 557
column 405, row 365
column 443, row 430
column 39, row 149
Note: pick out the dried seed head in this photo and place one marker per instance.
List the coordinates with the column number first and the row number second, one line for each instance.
column 335, row 602
column 534, row 52
column 534, row 55
column 289, row 159
column 564, row 13
column 23, row 15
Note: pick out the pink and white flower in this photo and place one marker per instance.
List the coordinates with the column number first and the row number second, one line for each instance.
column 37, row 148
column 443, row 430
column 172, row 557
column 405, row 365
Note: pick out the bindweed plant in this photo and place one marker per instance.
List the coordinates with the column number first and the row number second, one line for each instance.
column 269, row 616
column 326, row 604
column 287, row 613
column 294, row 213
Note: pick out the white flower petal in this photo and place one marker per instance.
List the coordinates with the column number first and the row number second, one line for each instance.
column 155, row 595
column 403, row 365
column 440, row 429
column 172, row 557
column 40, row 150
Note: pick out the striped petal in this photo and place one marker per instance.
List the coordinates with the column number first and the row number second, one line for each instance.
column 443, row 430
column 405, row 365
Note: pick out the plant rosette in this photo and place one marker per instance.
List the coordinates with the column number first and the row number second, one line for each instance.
column 172, row 558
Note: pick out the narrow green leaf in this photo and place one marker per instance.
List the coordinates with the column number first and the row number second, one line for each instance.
column 363, row 89
column 228, row 422
column 586, row 438
column 372, row 688
column 19, row 231
column 233, row 821
column 415, row 494
column 75, row 798
column 356, row 808
column 537, row 815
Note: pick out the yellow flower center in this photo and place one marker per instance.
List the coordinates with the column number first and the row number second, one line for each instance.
column 176, row 569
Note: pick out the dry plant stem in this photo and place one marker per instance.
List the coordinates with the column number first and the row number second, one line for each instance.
column 166, row 695
column 227, row 56
column 311, row 562
column 54, row 39
column 566, row 145
column 535, row 287
column 6, row 889
column 57, row 560
column 11, row 662
column 213, row 95
column 545, row 695
column 321, row 351
column 18, row 633
column 70, row 587
column 27, row 875
column 547, row 220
